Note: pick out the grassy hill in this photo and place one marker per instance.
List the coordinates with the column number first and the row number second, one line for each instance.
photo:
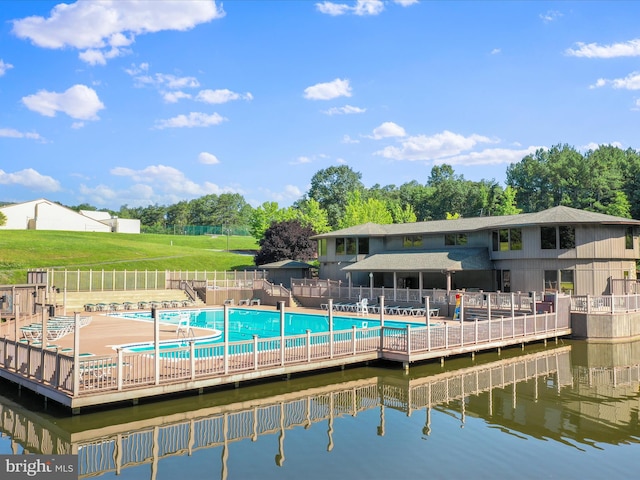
column 22, row 250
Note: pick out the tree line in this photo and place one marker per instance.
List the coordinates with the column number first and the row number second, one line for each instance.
column 605, row 180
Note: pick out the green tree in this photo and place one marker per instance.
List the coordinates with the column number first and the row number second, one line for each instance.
column 178, row 214
column 506, row 204
column 402, row 215
column 330, row 188
column 358, row 211
column 3, row 219
column 310, row 213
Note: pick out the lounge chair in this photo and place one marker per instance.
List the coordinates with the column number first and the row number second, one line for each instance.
column 229, row 301
column 244, row 301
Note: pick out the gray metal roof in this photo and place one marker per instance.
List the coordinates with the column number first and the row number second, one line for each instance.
column 454, row 259
column 553, row 216
column 285, row 264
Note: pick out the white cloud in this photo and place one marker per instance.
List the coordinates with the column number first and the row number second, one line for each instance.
column 341, row 161
column 208, row 158
column 194, row 119
column 422, row 147
column 169, row 181
column 348, row 139
column 361, row 7
column 329, row 90
column 31, row 179
column 300, row 160
column 290, row 193
column 406, row 3
column 550, row 16
column 593, row 50
column 630, row 82
column 4, row 67
column 346, row 110
column 388, row 129
column 102, row 30
column 173, row 82
column 173, row 97
column 221, row 96
column 490, row 156
column 12, row 133
column 496, row 51
column 79, row 102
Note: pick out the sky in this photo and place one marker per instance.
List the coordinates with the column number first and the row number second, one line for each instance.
column 145, row 102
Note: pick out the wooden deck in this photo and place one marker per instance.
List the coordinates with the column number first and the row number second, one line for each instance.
column 112, row 375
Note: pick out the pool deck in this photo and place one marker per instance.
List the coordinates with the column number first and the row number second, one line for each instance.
column 106, row 331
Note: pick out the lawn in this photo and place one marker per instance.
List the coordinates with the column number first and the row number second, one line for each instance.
column 22, row 250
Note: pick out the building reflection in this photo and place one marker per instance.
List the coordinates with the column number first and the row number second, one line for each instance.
column 579, row 394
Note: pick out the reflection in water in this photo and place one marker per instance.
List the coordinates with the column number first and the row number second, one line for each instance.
column 581, row 395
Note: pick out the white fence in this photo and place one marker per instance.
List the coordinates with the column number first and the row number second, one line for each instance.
column 606, row 304
column 139, row 370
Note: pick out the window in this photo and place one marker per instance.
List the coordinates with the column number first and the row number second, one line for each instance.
column 351, row 246
column 551, row 237
column 628, row 238
column 515, row 239
column 566, row 281
column 551, row 280
column 567, row 237
column 322, row 247
column 363, row 246
column 506, row 239
column 455, row 239
column 548, row 238
column 412, row 241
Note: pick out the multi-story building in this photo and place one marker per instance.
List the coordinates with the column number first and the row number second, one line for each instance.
column 560, row 249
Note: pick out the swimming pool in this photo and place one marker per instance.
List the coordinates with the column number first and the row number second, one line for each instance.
column 245, row 323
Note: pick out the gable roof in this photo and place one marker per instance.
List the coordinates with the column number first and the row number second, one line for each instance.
column 560, row 215
column 285, row 265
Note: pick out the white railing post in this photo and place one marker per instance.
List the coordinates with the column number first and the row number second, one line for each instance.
column 408, row 339
column 192, row 358
column 225, row 360
column 446, row 335
column 120, row 365
column 330, row 328
column 476, row 326
column 428, row 337
column 255, row 352
column 282, row 337
column 308, row 346
column 353, row 336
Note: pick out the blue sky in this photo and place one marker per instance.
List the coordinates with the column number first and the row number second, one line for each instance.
column 120, row 102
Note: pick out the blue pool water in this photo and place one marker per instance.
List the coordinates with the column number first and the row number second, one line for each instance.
column 245, row 323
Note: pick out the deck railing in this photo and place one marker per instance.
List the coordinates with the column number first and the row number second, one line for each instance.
column 131, row 370
column 606, row 304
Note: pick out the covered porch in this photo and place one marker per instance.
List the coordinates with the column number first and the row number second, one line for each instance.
column 454, row 269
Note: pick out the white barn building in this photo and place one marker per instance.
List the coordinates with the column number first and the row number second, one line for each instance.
column 43, row 214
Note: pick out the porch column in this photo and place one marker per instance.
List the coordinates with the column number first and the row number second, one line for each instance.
column 420, row 284
column 448, row 274
column 371, row 284
column 395, row 285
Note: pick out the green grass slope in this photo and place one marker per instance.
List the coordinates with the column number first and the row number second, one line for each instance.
column 22, row 250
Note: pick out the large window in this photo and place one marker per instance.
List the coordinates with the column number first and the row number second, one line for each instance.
column 455, row 239
column 567, row 237
column 548, row 238
column 628, row 238
column 551, row 237
column 507, row 239
column 363, row 246
column 412, row 241
column 550, row 280
column 322, row 247
column 566, row 282
column 351, row 246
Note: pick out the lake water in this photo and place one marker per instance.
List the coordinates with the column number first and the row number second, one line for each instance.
column 562, row 411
